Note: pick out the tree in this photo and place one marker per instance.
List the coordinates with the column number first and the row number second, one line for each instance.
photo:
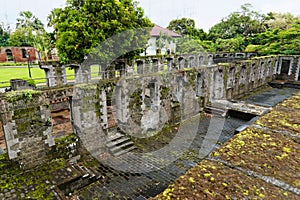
column 279, row 20
column 4, row 34
column 30, row 32
column 277, row 41
column 83, row 24
column 245, row 23
column 186, row 26
column 230, row 45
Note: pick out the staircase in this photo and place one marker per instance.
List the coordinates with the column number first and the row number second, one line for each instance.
column 216, row 111
column 118, row 144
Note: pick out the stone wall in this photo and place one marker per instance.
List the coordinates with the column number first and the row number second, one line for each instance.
column 159, row 91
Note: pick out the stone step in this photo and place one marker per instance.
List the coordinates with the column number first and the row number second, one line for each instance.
column 116, row 142
column 121, row 147
column 216, row 111
column 124, row 151
column 114, row 136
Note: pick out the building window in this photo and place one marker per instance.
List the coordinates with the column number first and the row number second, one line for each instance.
column 9, row 55
column 24, row 53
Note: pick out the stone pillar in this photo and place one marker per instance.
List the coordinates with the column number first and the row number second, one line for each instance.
column 148, row 66
column 140, row 66
column 103, row 109
column 155, row 65
column 209, row 60
column 200, row 61
column 82, row 73
column 55, row 73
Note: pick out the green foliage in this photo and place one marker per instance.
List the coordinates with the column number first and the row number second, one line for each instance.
column 279, row 20
column 30, row 32
column 276, row 41
column 186, row 26
column 187, row 45
column 82, row 25
column 244, row 22
column 4, row 34
column 231, row 44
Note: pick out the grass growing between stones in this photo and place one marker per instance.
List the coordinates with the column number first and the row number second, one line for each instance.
column 284, row 117
column 268, row 153
column 211, row 180
column 17, row 183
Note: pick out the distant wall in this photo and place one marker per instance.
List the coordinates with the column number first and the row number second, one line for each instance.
column 17, row 54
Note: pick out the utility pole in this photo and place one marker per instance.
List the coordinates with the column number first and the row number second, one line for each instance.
column 28, row 56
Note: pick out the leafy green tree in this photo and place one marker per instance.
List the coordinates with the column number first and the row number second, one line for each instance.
column 243, row 23
column 30, row 32
column 27, row 27
column 277, row 41
column 279, row 20
column 231, row 44
column 83, row 24
column 186, row 45
column 186, row 26
column 4, row 34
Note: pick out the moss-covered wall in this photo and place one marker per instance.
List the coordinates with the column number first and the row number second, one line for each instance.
column 138, row 103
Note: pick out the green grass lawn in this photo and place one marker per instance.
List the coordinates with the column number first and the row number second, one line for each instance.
column 8, row 73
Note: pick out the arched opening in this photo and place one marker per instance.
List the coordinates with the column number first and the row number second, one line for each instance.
column 24, row 53
column 9, row 55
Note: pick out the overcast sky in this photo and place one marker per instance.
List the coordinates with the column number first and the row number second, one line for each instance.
column 206, row 13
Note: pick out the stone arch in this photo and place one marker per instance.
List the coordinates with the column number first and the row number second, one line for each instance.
column 210, row 60
column 181, row 62
column 201, row 60
column 191, row 62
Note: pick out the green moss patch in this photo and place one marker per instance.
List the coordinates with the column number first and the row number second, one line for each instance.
column 32, row 184
column 211, row 180
column 284, row 117
column 268, row 153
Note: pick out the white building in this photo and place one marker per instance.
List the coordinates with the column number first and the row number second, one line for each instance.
column 162, row 40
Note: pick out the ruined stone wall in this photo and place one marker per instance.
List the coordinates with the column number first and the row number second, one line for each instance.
column 161, row 91
column 25, row 118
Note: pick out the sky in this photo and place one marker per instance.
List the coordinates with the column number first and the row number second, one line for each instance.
column 205, row 13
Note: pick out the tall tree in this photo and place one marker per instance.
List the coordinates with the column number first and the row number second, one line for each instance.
column 30, row 32
column 186, row 26
column 83, row 24
column 279, row 20
column 4, row 34
column 245, row 23
column 279, row 41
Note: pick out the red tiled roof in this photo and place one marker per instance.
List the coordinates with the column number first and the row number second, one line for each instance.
column 156, row 30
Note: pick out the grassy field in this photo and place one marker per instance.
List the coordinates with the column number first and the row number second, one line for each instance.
column 8, row 73
column 21, row 72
